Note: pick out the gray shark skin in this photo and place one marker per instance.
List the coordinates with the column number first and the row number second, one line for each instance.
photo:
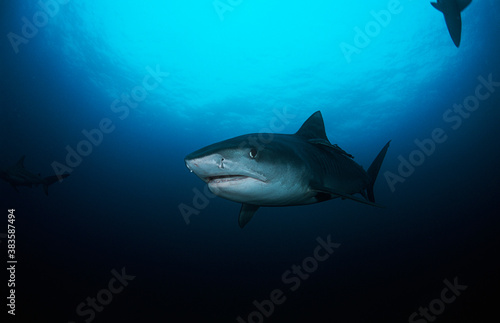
column 17, row 175
column 451, row 10
column 295, row 169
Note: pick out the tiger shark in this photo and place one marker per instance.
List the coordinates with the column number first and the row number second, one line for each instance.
column 17, row 175
column 289, row 169
column 451, row 10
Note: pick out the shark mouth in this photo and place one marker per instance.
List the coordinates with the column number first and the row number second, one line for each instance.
column 225, row 178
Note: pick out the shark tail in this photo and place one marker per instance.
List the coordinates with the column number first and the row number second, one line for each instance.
column 49, row 180
column 373, row 171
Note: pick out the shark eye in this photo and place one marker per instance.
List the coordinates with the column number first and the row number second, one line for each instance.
column 253, row 153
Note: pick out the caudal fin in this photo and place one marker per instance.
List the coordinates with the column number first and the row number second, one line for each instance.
column 49, row 180
column 373, row 171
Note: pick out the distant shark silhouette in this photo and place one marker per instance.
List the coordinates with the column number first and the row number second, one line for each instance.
column 296, row 169
column 451, row 10
column 17, row 175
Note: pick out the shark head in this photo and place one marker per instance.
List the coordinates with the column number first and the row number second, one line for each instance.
column 244, row 170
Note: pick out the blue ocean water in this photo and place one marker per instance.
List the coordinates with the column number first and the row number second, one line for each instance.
column 117, row 93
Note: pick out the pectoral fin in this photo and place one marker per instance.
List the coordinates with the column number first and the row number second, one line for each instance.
column 454, row 24
column 453, row 20
column 246, row 213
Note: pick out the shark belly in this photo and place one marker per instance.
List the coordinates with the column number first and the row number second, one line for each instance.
column 251, row 191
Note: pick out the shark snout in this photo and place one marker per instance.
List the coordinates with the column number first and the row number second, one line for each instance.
column 206, row 166
column 188, row 166
column 191, row 165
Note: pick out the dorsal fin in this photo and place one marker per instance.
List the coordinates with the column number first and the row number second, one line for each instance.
column 313, row 128
column 314, row 131
column 20, row 162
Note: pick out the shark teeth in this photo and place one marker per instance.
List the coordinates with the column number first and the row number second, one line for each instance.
column 225, row 178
